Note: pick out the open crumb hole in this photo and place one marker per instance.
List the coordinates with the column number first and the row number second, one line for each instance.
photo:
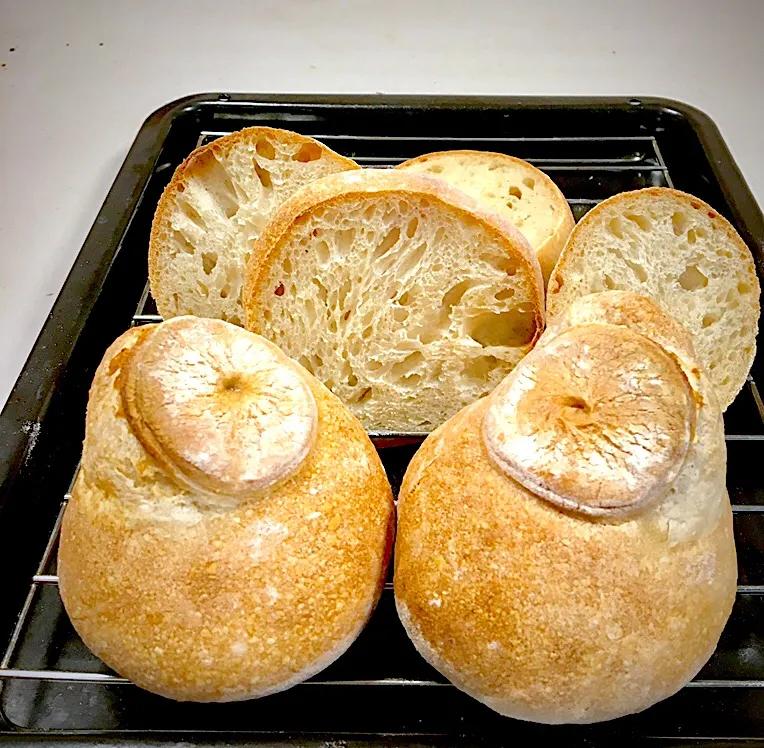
column 390, row 240
column 183, row 243
column 616, row 227
column 192, row 214
column 679, row 223
column 643, row 222
column 639, row 272
column 209, row 261
column 503, row 264
column 454, row 295
column 264, row 176
column 692, row 279
column 512, row 328
column 307, row 152
column 265, row 149
column 405, row 368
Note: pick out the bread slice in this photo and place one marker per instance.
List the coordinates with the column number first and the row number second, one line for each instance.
column 515, row 189
column 398, row 292
column 677, row 250
column 214, row 209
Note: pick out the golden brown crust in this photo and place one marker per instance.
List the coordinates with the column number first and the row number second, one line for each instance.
column 598, row 420
column 198, row 600
column 547, row 252
column 195, row 162
column 557, row 617
column 223, row 411
column 638, row 313
column 331, row 190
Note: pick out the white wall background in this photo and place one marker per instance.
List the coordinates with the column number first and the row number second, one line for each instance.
column 84, row 74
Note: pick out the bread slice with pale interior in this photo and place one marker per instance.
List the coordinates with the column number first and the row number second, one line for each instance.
column 399, row 292
column 518, row 191
column 677, row 250
column 216, row 206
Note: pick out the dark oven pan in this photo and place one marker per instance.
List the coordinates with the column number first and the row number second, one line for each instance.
column 381, row 691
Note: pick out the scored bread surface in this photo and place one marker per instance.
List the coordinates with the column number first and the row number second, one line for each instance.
column 216, row 206
column 398, row 292
column 198, row 592
column 677, row 250
column 516, row 190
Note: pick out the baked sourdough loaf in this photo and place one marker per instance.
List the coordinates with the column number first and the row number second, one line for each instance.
column 230, row 527
column 565, row 549
column 214, row 209
column 515, row 189
column 677, row 250
column 398, row 292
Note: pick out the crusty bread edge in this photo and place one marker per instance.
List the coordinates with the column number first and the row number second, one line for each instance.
column 548, row 251
column 333, row 188
column 693, row 203
column 224, row 144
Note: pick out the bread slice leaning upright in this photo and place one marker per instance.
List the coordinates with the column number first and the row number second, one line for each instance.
column 398, row 292
column 677, row 250
column 215, row 207
column 516, row 190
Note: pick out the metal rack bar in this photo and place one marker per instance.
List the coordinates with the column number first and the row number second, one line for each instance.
column 462, row 138
column 62, row 676
column 41, row 567
column 546, row 165
column 662, row 163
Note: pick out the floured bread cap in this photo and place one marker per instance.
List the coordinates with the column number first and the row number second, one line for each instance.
column 598, row 421
column 222, row 409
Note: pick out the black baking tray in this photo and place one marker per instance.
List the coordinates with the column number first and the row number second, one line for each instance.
column 380, row 692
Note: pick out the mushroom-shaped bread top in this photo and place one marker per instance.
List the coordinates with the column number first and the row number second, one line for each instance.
column 565, row 550
column 222, row 410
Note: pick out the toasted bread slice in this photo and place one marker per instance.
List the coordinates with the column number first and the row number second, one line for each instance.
column 677, row 250
column 400, row 293
column 214, row 209
column 515, row 189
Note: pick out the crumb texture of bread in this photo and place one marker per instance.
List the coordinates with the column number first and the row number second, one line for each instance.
column 516, row 190
column 398, row 293
column 214, row 209
column 677, row 250
column 522, row 598
column 191, row 590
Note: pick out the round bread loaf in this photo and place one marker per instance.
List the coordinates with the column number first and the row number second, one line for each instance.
column 565, row 550
column 230, row 527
